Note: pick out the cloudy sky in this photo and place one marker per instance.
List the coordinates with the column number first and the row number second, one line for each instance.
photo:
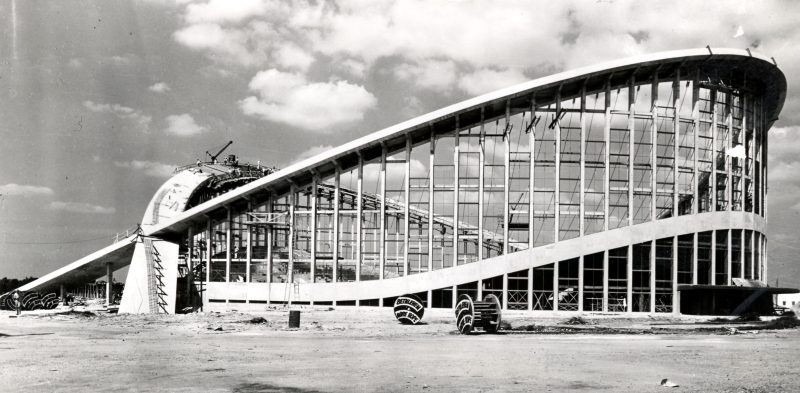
column 101, row 99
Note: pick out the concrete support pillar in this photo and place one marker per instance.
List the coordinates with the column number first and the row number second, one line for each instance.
column 605, row 281
column 580, row 282
column 190, row 264
column 505, row 291
column 629, row 267
column 742, row 251
column 555, row 286
column 653, row 274
column 714, row 257
column 530, row 288
column 729, row 254
column 675, row 299
column 63, row 294
column 455, row 296
column 109, row 287
column 430, row 299
column 694, row 257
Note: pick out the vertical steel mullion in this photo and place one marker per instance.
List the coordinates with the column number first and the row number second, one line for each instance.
column 506, row 177
column 582, row 176
column 269, row 238
column 607, row 158
column 713, row 99
column 729, row 145
column 743, row 166
column 406, row 208
column 676, row 92
column 208, row 250
column 336, row 195
column 382, row 210
column 762, row 189
column 631, row 147
column 653, row 151
column 557, row 196
column 456, row 185
column 228, row 246
column 359, row 219
column 696, row 121
column 531, row 180
column 314, row 185
column 249, row 246
column 481, row 162
column 430, row 203
column 292, row 226
column 189, row 263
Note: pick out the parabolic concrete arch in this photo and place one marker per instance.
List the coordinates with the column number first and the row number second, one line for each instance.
column 610, row 188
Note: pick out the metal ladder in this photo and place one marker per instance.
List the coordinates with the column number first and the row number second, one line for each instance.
column 155, row 278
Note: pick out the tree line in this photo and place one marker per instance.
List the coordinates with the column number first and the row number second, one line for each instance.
column 10, row 284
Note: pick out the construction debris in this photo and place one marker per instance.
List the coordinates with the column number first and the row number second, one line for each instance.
column 668, row 384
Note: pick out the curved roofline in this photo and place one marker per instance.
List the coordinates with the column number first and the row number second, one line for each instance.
column 626, row 64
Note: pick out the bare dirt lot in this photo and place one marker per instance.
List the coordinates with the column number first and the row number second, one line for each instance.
column 367, row 350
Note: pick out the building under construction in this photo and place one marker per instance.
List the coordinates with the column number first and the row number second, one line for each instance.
column 633, row 186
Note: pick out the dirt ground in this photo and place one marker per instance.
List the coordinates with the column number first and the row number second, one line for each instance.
column 366, row 349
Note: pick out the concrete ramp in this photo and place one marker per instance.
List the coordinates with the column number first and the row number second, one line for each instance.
column 86, row 269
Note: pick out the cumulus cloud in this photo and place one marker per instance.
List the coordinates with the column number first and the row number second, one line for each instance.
column 159, row 87
column 311, row 152
column 429, row 74
column 149, row 168
column 291, row 56
column 120, row 111
column 228, row 45
column 316, row 106
column 13, row 189
column 217, row 11
column 183, row 125
column 79, row 207
column 486, row 80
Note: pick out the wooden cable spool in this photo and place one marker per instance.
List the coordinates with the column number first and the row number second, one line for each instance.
column 485, row 315
column 409, row 309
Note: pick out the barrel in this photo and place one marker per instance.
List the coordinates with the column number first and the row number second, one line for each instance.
column 294, row 319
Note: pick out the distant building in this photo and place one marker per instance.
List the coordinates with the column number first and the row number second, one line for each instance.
column 622, row 187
